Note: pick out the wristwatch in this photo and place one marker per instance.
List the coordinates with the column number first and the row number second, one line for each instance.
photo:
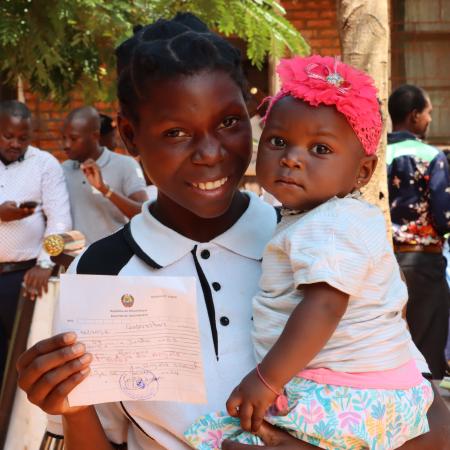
column 45, row 264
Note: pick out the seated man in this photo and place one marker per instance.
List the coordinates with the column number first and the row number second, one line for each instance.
column 33, row 204
column 106, row 189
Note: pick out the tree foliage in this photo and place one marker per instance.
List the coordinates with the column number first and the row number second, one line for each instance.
column 61, row 45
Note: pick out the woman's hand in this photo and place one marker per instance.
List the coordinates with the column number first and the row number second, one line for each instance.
column 249, row 401
column 50, row 369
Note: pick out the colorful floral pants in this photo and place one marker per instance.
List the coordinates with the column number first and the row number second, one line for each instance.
column 331, row 417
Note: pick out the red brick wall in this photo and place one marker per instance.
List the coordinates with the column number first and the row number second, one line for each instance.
column 315, row 19
column 48, row 120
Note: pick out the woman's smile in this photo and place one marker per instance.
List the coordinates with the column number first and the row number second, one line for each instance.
column 210, row 185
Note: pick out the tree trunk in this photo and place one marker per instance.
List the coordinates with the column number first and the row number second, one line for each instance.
column 364, row 35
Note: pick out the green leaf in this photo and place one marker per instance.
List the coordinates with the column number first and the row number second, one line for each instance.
column 64, row 46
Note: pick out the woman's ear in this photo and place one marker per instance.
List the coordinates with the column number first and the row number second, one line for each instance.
column 367, row 167
column 127, row 133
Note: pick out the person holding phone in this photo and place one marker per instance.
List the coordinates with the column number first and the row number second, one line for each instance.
column 33, row 204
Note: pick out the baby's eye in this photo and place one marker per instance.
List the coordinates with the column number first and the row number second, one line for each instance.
column 175, row 132
column 321, row 149
column 278, row 142
column 228, row 122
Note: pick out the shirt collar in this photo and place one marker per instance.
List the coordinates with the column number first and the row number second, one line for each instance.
column 29, row 153
column 164, row 246
column 101, row 161
column 400, row 136
column 104, row 157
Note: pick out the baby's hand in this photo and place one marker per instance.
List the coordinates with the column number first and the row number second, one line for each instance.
column 249, row 401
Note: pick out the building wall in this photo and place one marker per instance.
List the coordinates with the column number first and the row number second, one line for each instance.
column 420, row 42
column 316, row 20
column 49, row 117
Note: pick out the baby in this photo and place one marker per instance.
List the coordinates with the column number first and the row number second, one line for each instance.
column 335, row 359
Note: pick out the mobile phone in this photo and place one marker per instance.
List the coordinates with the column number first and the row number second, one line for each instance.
column 30, row 204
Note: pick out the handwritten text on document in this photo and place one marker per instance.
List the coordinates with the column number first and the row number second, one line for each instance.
column 143, row 335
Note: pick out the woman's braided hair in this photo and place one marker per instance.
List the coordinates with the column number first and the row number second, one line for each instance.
column 166, row 49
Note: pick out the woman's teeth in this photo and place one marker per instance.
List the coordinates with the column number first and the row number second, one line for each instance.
column 210, row 185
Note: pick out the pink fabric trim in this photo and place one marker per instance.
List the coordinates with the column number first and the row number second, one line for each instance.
column 403, row 377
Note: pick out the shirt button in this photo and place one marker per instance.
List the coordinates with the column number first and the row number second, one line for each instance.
column 216, row 286
column 205, row 254
column 224, row 321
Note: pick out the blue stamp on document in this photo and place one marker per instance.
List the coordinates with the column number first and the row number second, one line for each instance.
column 139, row 383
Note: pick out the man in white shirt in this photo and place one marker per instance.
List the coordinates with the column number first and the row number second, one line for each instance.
column 106, row 189
column 33, row 204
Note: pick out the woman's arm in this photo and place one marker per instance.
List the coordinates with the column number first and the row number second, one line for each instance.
column 48, row 372
column 438, row 437
column 308, row 329
column 84, row 431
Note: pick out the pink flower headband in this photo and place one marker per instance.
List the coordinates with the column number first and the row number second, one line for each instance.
column 323, row 80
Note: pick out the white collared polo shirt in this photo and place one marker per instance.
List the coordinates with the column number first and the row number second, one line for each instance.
column 227, row 270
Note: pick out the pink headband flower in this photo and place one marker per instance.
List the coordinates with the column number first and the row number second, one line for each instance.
column 323, row 80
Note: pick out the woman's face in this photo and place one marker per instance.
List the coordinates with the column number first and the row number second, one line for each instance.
column 194, row 140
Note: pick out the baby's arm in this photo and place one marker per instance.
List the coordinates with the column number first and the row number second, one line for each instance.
column 308, row 329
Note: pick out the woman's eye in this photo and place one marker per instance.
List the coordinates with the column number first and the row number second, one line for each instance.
column 321, row 149
column 175, row 132
column 228, row 122
column 278, row 142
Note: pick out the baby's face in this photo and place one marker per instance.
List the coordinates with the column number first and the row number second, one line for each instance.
column 309, row 154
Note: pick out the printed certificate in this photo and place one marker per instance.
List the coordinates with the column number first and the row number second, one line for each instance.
column 142, row 332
